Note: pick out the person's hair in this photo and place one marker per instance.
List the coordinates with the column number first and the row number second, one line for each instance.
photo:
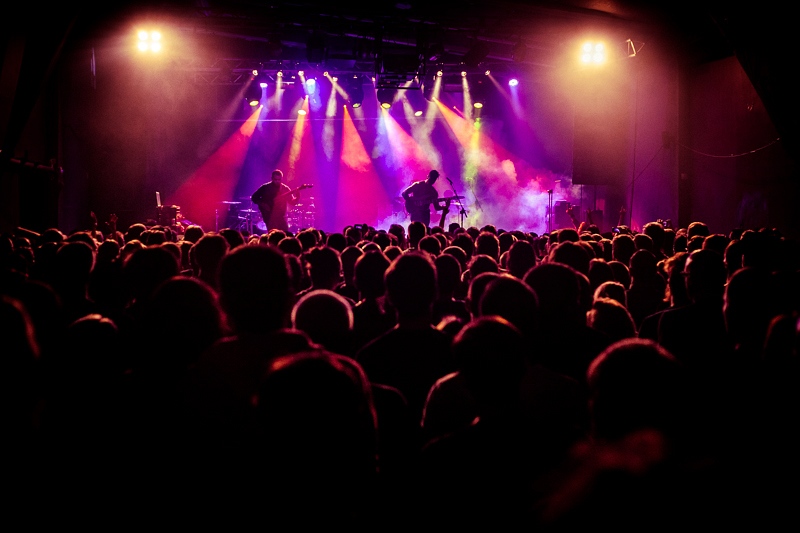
column 482, row 263
column 488, row 243
column 327, row 318
column 207, row 253
column 233, row 236
column 521, row 258
column 567, row 234
column 336, row 240
column 192, row 233
column 369, row 274
column 416, row 231
column 572, row 254
column 656, row 231
column 644, row 241
column 622, row 248
column 430, row 244
column 464, row 241
column 611, row 317
column 326, row 266
column 697, row 228
column 489, row 352
column 255, row 289
column 458, row 253
column 448, row 273
column 636, row 384
column 514, row 300
column 611, row 289
column 411, row 284
column 393, row 252
column 399, row 232
column 291, row 245
column 319, row 424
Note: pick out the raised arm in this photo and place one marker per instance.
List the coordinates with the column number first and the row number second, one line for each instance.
column 445, row 210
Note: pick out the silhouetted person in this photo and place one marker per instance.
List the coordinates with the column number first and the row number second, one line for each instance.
column 414, row 354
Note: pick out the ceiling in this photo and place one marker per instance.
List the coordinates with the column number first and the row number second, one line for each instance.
column 393, row 39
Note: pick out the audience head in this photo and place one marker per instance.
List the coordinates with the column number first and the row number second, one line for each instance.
column 326, row 317
column 514, row 300
column 622, row 248
column 612, row 318
column 571, row 253
column 705, row 276
column 487, row 243
column 611, row 289
column 254, row 289
column 489, row 352
column 370, row 269
column 635, row 384
column 325, row 267
column 430, row 244
column 411, row 284
column 521, row 258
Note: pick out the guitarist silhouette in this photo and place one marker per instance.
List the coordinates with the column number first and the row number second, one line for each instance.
column 273, row 199
column 418, row 198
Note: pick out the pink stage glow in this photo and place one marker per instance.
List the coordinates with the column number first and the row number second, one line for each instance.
column 360, row 195
column 214, row 182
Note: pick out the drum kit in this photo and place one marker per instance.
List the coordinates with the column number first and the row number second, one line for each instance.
column 230, row 215
column 301, row 215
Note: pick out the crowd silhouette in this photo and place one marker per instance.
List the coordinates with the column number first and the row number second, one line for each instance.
column 379, row 378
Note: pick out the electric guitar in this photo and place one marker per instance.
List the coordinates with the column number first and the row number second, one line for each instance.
column 266, row 207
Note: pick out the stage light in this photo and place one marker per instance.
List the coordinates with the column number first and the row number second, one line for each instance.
column 513, row 82
column 463, row 73
column 354, row 91
column 439, row 73
column 593, row 53
column 301, row 111
column 149, row 41
column 301, row 73
column 487, row 72
column 477, row 92
column 253, row 94
column 386, row 96
column 418, row 113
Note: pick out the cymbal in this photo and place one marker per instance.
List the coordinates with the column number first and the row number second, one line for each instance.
column 248, row 211
column 226, row 202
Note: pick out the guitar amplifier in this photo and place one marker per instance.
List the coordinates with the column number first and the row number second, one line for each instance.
column 561, row 218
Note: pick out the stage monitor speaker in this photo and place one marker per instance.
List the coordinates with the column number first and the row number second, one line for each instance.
column 561, row 218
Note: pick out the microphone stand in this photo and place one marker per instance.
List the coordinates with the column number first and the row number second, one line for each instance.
column 550, row 209
column 461, row 212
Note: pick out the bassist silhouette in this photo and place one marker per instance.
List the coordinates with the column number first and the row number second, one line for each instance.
column 273, row 199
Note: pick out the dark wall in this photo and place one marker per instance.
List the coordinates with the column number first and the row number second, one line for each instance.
column 734, row 167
